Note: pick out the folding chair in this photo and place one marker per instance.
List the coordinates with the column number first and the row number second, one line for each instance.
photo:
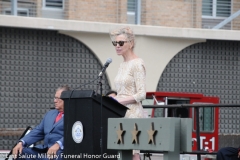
column 26, row 131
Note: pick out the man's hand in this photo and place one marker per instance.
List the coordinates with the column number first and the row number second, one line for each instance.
column 238, row 154
column 52, row 151
column 17, row 149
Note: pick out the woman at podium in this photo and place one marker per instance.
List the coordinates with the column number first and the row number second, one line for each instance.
column 130, row 79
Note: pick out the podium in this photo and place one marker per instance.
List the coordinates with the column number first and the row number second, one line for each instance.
column 82, row 108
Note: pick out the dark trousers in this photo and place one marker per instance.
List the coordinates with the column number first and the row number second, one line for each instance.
column 228, row 153
column 31, row 153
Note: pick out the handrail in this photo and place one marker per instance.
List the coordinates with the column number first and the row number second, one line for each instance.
column 193, row 152
column 190, row 105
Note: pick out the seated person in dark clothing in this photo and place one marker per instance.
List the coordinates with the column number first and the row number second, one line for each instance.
column 228, row 153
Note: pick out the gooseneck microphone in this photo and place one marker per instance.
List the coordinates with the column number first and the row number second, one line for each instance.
column 109, row 60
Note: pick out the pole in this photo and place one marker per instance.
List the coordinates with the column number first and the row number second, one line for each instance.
column 198, row 132
column 101, row 128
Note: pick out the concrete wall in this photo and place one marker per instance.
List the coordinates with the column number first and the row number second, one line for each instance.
column 156, row 45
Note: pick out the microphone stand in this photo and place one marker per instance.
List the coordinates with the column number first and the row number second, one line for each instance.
column 101, row 105
column 101, row 128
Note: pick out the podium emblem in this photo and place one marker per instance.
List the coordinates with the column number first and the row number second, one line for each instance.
column 77, row 132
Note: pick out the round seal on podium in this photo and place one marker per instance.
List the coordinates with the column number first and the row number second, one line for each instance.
column 77, row 132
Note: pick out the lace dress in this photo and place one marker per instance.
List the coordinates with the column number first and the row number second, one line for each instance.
column 130, row 81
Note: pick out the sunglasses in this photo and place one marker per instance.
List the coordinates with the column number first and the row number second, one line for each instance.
column 121, row 43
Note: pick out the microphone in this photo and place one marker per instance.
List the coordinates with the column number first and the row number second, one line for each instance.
column 109, row 60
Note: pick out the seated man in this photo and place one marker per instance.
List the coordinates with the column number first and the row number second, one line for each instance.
column 228, row 153
column 51, row 130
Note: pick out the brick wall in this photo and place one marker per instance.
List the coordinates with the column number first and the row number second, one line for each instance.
column 177, row 13
column 169, row 13
column 236, row 21
column 38, row 8
column 100, row 11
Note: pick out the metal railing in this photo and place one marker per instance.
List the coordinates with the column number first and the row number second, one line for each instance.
column 167, row 13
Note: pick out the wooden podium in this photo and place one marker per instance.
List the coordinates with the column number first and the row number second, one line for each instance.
column 84, row 120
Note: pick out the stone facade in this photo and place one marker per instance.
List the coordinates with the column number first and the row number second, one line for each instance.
column 167, row 13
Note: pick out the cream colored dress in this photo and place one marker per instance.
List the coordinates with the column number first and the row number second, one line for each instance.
column 130, row 81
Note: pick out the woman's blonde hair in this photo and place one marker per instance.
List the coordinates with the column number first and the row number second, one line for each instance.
column 126, row 31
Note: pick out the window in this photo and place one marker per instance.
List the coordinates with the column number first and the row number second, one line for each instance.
column 53, row 9
column 20, row 11
column 133, row 11
column 58, row 4
column 131, row 6
column 216, row 8
column 223, row 8
column 206, row 118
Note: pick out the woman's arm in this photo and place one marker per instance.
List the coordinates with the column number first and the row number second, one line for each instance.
column 126, row 100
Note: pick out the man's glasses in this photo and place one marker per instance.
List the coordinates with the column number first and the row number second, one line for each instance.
column 121, row 43
column 56, row 98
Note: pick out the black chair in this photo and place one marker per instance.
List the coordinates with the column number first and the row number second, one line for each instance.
column 26, row 131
